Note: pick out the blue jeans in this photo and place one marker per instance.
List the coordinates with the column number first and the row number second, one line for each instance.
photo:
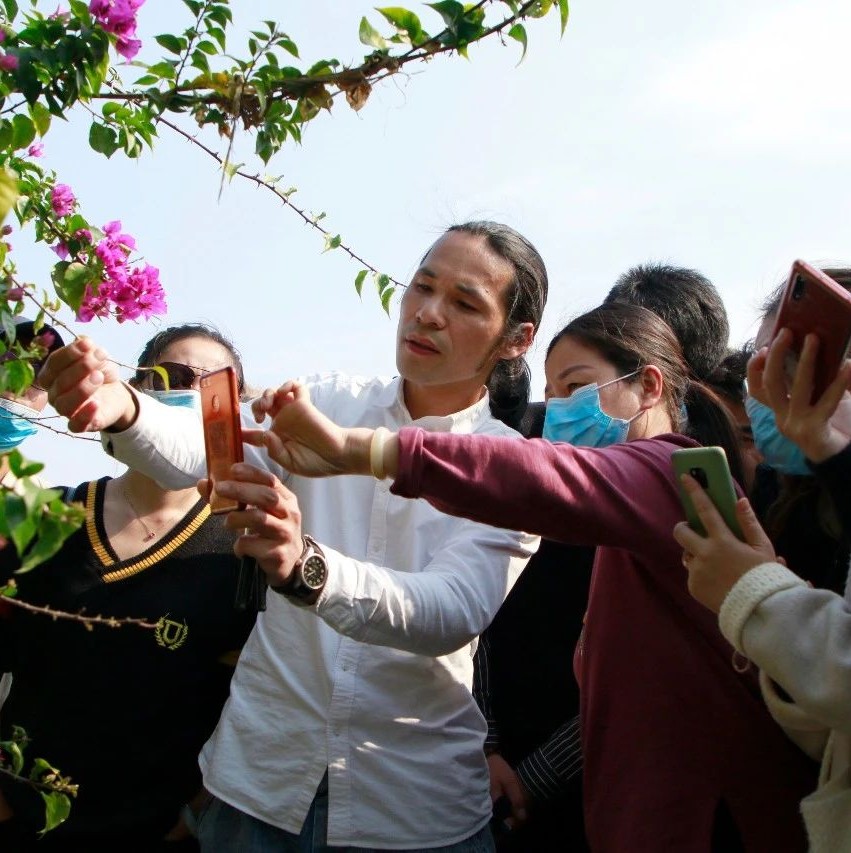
column 224, row 829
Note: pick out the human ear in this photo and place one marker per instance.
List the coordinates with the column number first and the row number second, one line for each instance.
column 518, row 343
column 652, row 385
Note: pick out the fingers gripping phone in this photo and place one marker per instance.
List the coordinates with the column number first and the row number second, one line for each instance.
column 222, row 431
column 707, row 465
column 813, row 303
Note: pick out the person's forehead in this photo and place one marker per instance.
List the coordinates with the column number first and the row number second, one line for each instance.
column 198, row 352
column 468, row 260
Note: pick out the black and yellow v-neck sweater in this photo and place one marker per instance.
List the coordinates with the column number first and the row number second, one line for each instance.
column 123, row 711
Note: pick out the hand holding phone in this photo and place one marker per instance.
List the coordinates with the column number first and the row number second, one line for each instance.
column 708, row 466
column 813, row 303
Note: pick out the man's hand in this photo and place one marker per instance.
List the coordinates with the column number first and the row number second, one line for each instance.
column 271, row 523
column 304, row 441
column 717, row 561
column 504, row 782
column 821, row 429
column 83, row 385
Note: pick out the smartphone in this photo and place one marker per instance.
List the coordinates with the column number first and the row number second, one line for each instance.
column 814, row 303
column 222, row 431
column 708, row 465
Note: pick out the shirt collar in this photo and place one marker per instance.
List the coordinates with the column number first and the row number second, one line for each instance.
column 465, row 421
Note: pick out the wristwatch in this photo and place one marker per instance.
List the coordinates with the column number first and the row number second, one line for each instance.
column 309, row 574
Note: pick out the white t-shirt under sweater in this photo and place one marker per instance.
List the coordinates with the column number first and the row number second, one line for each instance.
column 378, row 689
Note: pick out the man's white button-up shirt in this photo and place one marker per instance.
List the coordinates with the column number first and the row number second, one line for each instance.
column 378, row 689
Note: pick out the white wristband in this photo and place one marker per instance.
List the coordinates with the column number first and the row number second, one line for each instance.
column 376, row 453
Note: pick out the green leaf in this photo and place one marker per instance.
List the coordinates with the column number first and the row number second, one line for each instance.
column 57, row 807
column 52, row 533
column 359, row 279
column 70, row 280
column 15, row 753
column 382, row 282
column 332, row 242
column 41, row 117
column 164, row 70
column 518, row 33
column 16, row 375
column 171, row 43
column 103, row 139
column 385, row 299
column 23, row 130
column 404, row 20
column 21, row 526
column 11, row 7
column 539, row 9
column 8, row 192
column 22, row 467
column 564, row 11
column 449, row 10
column 370, row 36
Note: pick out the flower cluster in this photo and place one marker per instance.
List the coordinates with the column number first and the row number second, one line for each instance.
column 124, row 292
column 118, row 17
column 62, row 199
column 8, row 62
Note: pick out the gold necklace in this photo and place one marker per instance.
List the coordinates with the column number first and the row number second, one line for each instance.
column 149, row 534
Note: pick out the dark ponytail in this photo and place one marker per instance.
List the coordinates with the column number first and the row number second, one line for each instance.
column 510, row 383
column 631, row 337
column 709, row 422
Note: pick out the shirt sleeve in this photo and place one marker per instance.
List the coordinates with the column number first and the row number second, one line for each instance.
column 167, row 444
column 434, row 611
column 835, row 474
column 623, row 496
column 482, row 692
column 799, row 636
column 546, row 771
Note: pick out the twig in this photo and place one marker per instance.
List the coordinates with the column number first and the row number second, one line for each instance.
column 308, row 220
column 88, row 621
column 39, row 786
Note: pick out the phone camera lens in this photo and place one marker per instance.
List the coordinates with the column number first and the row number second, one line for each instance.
column 798, row 288
column 700, row 475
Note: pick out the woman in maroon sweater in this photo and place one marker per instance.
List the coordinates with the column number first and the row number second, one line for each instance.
column 680, row 753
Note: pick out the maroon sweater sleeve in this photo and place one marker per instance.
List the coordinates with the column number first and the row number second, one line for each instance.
column 623, row 496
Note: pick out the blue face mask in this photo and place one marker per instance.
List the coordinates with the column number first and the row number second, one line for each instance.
column 778, row 452
column 14, row 426
column 579, row 419
column 189, row 399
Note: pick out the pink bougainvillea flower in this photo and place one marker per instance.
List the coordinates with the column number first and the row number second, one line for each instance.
column 118, row 17
column 113, row 233
column 9, row 62
column 61, row 250
column 62, row 199
column 36, row 149
column 128, row 48
column 83, row 234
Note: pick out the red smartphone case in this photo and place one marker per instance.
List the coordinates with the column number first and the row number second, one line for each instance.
column 222, row 431
column 813, row 303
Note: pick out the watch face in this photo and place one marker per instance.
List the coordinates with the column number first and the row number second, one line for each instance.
column 314, row 571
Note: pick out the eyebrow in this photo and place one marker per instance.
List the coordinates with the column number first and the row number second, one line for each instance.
column 463, row 286
column 568, row 370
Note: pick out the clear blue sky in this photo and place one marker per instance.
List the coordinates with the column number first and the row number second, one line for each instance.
column 713, row 135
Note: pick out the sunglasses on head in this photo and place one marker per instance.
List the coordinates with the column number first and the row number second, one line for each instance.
column 180, row 376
